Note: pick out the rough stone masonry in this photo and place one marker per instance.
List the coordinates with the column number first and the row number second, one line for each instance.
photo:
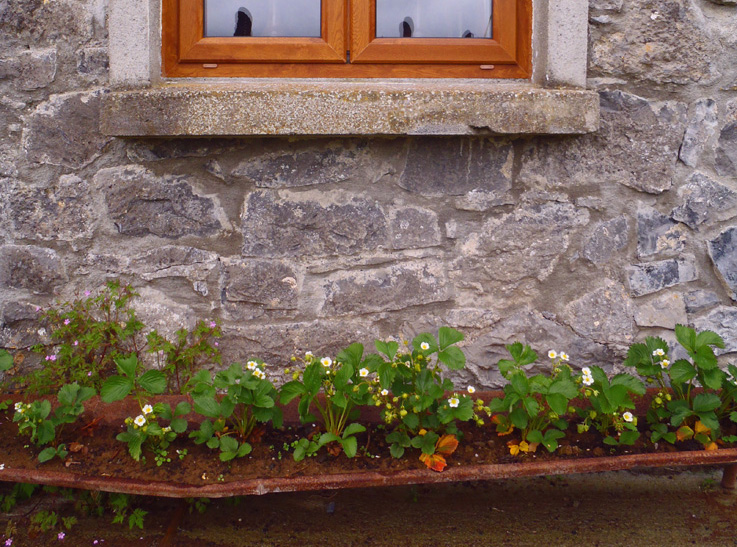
column 576, row 243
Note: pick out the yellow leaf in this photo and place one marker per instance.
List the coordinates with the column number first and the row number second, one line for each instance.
column 533, row 447
column 701, row 428
column 524, row 447
column 711, row 446
column 513, row 448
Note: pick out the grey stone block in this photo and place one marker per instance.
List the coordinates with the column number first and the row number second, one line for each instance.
column 723, row 253
column 35, row 269
column 665, row 311
column 702, row 126
column 606, row 240
column 648, row 46
column 60, row 213
column 414, row 228
column 657, row 234
column 141, row 203
column 603, row 315
column 704, row 200
column 270, row 284
column 723, row 321
column 652, row 277
column 65, row 130
column 384, row 289
column 637, row 146
column 526, row 243
column 298, row 226
column 31, row 70
column 174, row 261
column 700, row 300
column 726, row 159
column 453, row 167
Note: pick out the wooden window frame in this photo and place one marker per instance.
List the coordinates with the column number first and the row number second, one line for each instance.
column 186, row 52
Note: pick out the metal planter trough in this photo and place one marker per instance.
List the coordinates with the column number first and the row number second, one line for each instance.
column 115, row 413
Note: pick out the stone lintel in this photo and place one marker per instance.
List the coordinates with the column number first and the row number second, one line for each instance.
column 289, row 107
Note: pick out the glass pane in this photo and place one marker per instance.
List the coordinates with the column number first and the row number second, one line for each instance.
column 433, row 18
column 297, row 18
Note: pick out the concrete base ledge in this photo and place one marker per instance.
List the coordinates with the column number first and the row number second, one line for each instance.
column 347, row 108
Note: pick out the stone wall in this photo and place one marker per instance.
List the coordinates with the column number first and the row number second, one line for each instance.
column 582, row 244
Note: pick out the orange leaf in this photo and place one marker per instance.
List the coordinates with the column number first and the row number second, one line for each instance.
column 684, row 433
column 436, row 462
column 711, row 446
column 446, row 445
column 701, row 428
column 533, row 447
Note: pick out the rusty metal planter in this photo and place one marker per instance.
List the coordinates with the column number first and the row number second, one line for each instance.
column 362, row 479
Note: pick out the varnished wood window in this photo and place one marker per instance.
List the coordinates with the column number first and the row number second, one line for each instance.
column 347, row 38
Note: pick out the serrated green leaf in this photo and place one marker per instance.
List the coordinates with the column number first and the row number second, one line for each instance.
column 183, row 408
column 6, row 361
column 557, row 402
column 565, row 387
column 178, row 425
column 411, row 420
column 228, row 444
column 127, row 365
column 709, row 338
column 686, row 336
column 387, row 348
column 520, row 383
column 46, row 454
column 207, row 406
column 352, row 429
column 448, row 336
column 243, row 450
column 291, row 390
column 263, row 401
column 396, row 451
column 706, row 402
column 453, row 358
column 153, row 381
column 351, row 355
column 611, row 441
column 713, row 378
column 116, row 388
column 519, row 418
column 681, row 372
column 633, row 384
column 68, row 394
column 350, row 446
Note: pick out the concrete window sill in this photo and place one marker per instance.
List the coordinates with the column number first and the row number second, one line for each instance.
column 298, row 107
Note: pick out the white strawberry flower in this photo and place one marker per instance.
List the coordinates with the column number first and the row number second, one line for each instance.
column 326, row 362
column 140, row 421
column 453, row 402
column 471, row 389
column 552, row 354
column 628, row 417
column 658, row 352
column 363, row 372
column 252, row 365
column 147, row 409
column 424, row 346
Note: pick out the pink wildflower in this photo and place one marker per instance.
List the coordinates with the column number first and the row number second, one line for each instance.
column 216, row 344
column 213, row 324
column 8, row 542
column 87, row 293
column 76, row 342
column 67, row 321
column 61, row 536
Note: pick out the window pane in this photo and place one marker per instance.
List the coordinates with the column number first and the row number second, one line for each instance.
column 296, row 18
column 433, row 18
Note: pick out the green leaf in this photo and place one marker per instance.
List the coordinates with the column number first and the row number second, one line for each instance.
column 153, row 381
column 351, row 355
column 47, row 454
column 68, row 394
column 263, row 401
column 686, row 336
column 520, row 383
column 628, row 437
column 127, row 365
column 704, row 358
column 396, row 451
column 611, row 441
column 387, row 348
column 713, row 378
column 290, row 390
column 523, row 355
column 633, row 384
column 637, row 355
column 182, row 409
column 243, row 450
column 709, row 338
column 6, row 361
column 706, row 402
column 207, row 406
column 565, row 387
column 326, row 438
column 681, row 372
column 350, row 446
column 453, row 358
column 425, row 338
column 352, row 429
column 228, row 444
column 448, row 336
column 411, row 420
column 558, row 403
column 116, row 388
column 535, row 436
column 519, row 418
column 733, row 416
column 178, row 425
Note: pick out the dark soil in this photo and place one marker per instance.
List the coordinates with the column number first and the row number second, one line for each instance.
column 96, row 452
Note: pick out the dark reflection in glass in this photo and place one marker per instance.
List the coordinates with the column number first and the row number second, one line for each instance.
column 289, row 18
column 433, row 18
